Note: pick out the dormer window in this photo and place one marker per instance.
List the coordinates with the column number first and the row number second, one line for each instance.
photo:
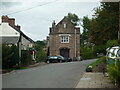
column 64, row 25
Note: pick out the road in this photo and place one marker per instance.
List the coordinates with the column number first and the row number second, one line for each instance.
column 55, row 75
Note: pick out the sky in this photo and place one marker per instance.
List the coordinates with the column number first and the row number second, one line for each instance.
column 35, row 18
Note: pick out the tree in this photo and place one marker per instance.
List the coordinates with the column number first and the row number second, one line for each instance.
column 73, row 18
column 40, row 52
column 105, row 23
column 86, row 28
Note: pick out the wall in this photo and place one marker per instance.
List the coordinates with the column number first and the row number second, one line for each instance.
column 8, row 31
column 54, row 40
column 25, row 43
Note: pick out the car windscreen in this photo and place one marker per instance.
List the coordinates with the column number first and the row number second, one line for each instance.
column 52, row 57
column 118, row 53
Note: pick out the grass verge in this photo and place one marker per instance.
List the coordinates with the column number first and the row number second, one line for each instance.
column 98, row 61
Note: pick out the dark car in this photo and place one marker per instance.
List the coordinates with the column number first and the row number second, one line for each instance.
column 79, row 58
column 53, row 59
column 68, row 59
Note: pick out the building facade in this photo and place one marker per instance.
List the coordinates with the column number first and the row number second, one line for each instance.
column 12, row 34
column 64, row 39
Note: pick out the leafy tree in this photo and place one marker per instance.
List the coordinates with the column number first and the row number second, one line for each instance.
column 40, row 52
column 41, row 55
column 105, row 23
column 73, row 18
column 86, row 28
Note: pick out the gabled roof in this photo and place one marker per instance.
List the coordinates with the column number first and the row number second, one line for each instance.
column 17, row 29
column 11, row 22
column 64, row 19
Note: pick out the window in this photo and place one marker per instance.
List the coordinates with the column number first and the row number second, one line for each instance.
column 118, row 53
column 64, row 25
column 64, row 39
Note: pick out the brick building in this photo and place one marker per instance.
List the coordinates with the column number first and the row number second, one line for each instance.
column 64, row 39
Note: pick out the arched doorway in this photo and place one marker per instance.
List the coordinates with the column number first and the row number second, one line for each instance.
column 65, row 52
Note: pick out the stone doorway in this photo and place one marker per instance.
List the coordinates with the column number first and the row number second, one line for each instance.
column 65, row 52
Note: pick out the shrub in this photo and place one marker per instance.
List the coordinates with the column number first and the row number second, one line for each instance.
column 26, row 58
column 111, row 43
column 87, row 53
column 114, row 72
column 10, row 56
column 40, row 52
column 41, row 55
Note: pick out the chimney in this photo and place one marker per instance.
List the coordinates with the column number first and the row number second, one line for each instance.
column 12, row 21
column 18, row 27
column 5, row 19
column 53, row 23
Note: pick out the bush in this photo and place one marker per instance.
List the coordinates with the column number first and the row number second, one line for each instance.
column 111, row 43
column 40, row 52
column 41, row 55
column 87, row 53
column 26, row 58
column 114, row 72
column 10, row 56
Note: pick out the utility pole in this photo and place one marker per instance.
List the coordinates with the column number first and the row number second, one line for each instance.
column 119, row 23
column 75, row 43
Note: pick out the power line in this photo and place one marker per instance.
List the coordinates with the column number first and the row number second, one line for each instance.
column 31, row 7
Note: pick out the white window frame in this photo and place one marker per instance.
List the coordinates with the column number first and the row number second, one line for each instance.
column 64, row 25
column 64, row 39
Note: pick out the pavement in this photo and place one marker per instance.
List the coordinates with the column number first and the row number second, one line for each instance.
column 95, row 80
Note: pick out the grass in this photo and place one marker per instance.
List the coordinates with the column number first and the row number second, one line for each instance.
column 100, row 60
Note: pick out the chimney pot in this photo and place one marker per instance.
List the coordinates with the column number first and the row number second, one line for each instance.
column 5, row 19
column 18, row 27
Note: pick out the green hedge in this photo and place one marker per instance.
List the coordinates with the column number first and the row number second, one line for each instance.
column 26, row 58
column 10, row 56
column 88, row 55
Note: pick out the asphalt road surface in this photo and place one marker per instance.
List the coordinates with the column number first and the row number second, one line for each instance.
column 55, row 75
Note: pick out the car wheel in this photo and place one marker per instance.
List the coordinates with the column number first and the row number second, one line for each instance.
column 48, row 61
column 60, row 61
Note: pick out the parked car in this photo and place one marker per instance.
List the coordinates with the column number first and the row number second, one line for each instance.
column 79, row 58
column 113, row 53
column 68, row 59
column 74, row 58
column 53, row 59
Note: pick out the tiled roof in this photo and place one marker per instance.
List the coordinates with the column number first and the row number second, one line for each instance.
column 9, row 40
column 22, row 33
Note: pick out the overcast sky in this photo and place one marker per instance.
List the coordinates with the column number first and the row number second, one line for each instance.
column 36, row 17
